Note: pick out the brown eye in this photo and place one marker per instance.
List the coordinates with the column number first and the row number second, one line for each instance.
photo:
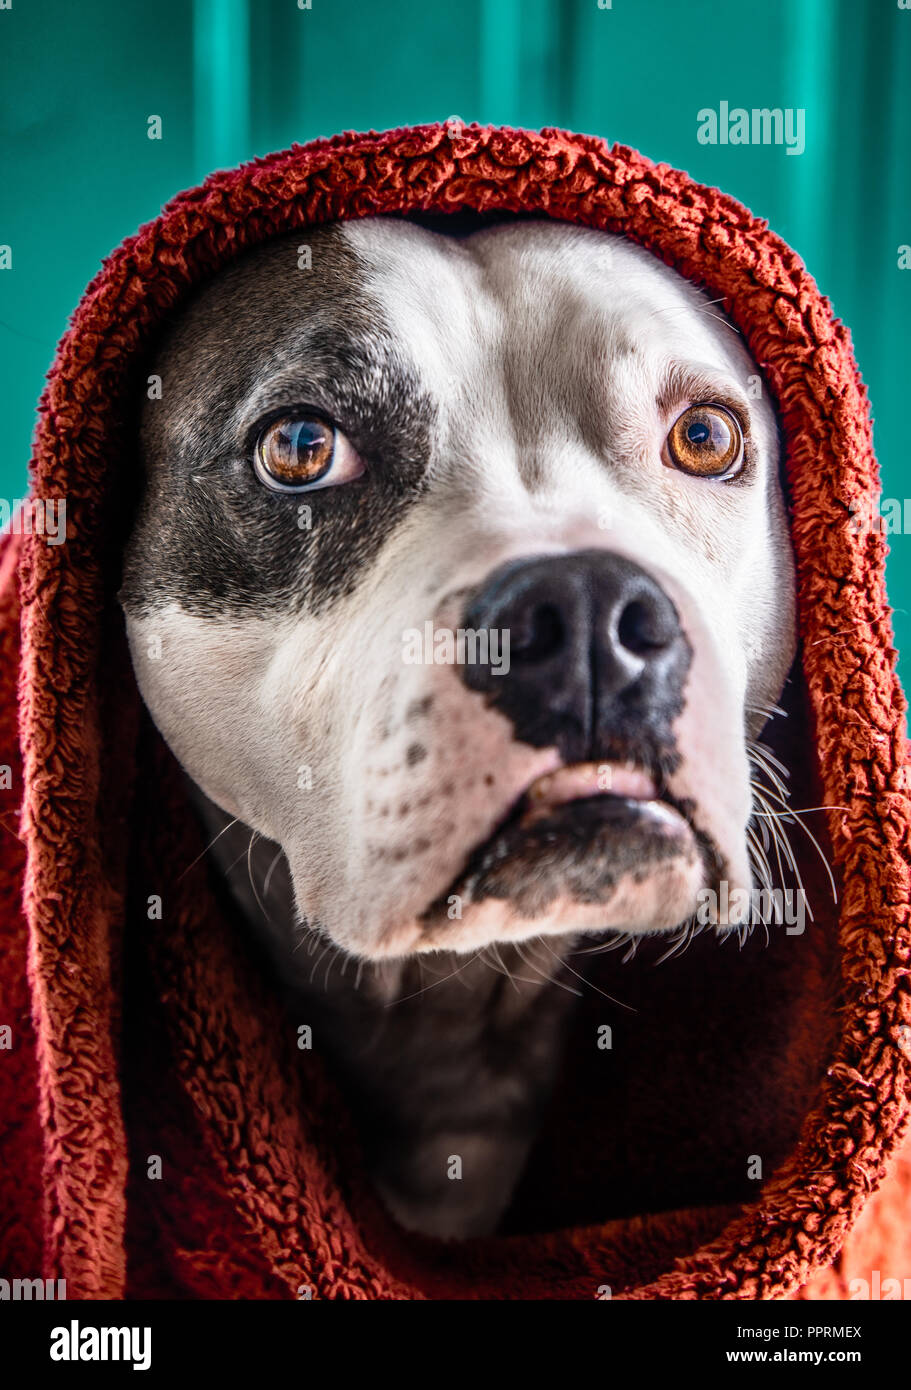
column 706, row 440
column 293, row 454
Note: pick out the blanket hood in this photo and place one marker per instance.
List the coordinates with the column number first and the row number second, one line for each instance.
column 160, row 1133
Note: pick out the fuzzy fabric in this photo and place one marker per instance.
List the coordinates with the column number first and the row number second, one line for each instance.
column 160, row 1133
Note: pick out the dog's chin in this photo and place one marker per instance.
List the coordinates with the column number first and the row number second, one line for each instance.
column 592, row 864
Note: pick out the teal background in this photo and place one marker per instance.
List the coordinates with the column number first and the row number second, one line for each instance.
column 234, row 78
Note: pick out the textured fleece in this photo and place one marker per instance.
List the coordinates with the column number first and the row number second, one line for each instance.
column 135, row 1040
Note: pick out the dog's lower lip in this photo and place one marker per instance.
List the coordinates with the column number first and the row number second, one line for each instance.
column 581, row 781
column 575, row 805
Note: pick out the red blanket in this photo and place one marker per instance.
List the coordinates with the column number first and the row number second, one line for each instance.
column 160, row 1134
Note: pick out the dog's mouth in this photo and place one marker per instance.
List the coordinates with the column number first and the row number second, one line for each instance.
column 576, row 833
column 612, row 791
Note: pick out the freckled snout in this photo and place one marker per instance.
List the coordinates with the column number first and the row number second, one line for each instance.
column 596, row 653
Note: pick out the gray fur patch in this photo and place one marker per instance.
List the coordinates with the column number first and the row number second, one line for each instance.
column 263, row 338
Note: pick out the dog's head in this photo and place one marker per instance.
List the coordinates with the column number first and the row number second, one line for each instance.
column 462, row 572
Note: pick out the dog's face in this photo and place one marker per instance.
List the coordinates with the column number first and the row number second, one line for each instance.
column 537, row 435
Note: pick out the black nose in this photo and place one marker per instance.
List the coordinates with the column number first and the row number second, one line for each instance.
column 597, row 656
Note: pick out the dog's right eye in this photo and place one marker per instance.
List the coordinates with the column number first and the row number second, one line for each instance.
column 295, row 454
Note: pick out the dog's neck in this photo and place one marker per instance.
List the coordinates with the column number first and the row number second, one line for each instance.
column 442, row 1057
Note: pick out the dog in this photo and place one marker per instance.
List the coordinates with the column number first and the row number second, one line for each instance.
column 378, row 443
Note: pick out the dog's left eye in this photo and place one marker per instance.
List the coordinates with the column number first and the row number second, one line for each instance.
column 299, row 453
column 706, row 440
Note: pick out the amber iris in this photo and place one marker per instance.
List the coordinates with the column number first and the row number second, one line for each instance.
column 706, row 440
column 296, row 452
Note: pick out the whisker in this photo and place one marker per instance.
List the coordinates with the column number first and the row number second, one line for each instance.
column 510, row 975
column 333, row 960
column 235, row 821
column 622, row 938
column 782, row 839
column 309, row 936
column 688, row 931
column 442, row 980
column 718, row 319
column 758, row 854
column 770, row 711
column 767, row 758
column 501, row 964
column 811, row 837
column 567, row 966
column 271, row 870
column 318, row 959
column 776, row 838
column 234, row 862
column 253, row 838
column 533, row 964
column 765, row 761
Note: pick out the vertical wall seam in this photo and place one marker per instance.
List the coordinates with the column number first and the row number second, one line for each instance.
column 221, row 84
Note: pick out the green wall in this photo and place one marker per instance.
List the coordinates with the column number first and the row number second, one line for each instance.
column 234, row 78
